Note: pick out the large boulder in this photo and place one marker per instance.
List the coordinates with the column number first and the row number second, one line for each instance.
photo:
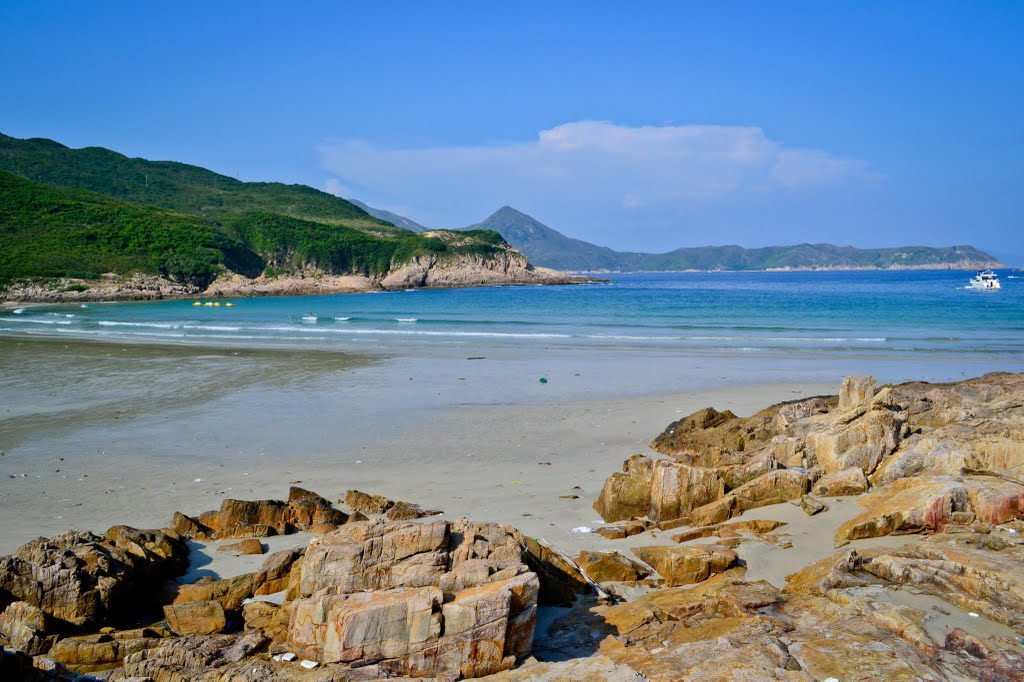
column 196, row 617
column 416, row 599
column 27, row 628
column 677, row 489
column 685, row 565
column 856, row 391
column 627, row 494
column 610, row 566
column 87, row 580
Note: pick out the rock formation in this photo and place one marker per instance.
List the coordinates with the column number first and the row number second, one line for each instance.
column 931, row 454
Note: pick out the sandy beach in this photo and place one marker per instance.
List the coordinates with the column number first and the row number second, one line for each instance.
column 98, row 451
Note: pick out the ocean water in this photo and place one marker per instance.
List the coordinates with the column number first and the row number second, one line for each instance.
column 888, row 315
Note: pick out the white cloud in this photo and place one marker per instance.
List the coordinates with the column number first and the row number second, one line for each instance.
column 591, row 174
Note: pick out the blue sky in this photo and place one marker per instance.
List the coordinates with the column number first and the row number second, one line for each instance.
column 643, row 126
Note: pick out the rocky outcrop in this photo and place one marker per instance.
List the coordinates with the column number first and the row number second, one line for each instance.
column 93, row 653
column 27, row 628
column 85, row 580
column 506, row 266
column 196, row 617
column 304, row 510
column 610, row 566
column 851, row 481
column 685, row 565
column 922, row 449
column 416, row 599
column 367, row 503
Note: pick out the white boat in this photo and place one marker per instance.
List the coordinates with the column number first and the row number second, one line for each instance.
column 985, row 280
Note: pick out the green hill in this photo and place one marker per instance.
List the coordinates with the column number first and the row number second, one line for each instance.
column 548, row 247
column 81, row 213
column 57, row 232
column 176, row 186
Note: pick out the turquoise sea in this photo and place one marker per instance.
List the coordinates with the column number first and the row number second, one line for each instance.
column 793, row 314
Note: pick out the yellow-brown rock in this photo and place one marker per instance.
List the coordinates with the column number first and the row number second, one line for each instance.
column 246, row 546
column 850, row 481
column 91, row 581
column 97, row 652
column 610, row 566
column 677, row 489
column 685, row 565
column 367, row 503
column 195, row 618
column 627, row 494
column 27, row 628
column 228, row 592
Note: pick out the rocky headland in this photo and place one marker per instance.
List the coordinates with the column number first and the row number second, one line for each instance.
column 920, row 580
column 507, row 268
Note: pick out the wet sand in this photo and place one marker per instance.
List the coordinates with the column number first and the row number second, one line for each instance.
column 98, row 434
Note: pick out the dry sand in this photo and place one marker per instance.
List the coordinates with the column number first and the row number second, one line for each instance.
column 504, row 463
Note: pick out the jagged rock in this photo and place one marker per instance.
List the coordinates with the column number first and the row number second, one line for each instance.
column 196, row 617
column 246, row 546
column 850, row 481
column 559, row 581
column 685, row 565
column 376, row 555
column 311, row 512
column 228, row 592
column 627, row 494
column 610, row 566
column 856, row 391
column 916, row 505
column 27, row 628
column 812, row 506
column 416, row 599
column 275, row 573
column 87, row 580
column 244, row 646
column 771, row 488
column 304, row 510
column 181, row 659
column 724, row 435
column 677, row 489
column 366, row 503
column 189, row 527
column 269, row 619
column 406, row 511
column 837, row 442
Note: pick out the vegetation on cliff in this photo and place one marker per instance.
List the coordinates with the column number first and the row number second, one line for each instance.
column 80, row 213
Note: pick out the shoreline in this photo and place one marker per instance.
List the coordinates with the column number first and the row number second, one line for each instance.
column 138, row 287
column 485, row 461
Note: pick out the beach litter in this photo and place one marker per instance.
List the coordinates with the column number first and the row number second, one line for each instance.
column 309, row 665
column 582, row 529
column 972, row 614
column 288, row 657
column 543, row 380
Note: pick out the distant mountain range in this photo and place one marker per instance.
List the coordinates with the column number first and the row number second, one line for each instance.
column 389, row 217
column 548, row 247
